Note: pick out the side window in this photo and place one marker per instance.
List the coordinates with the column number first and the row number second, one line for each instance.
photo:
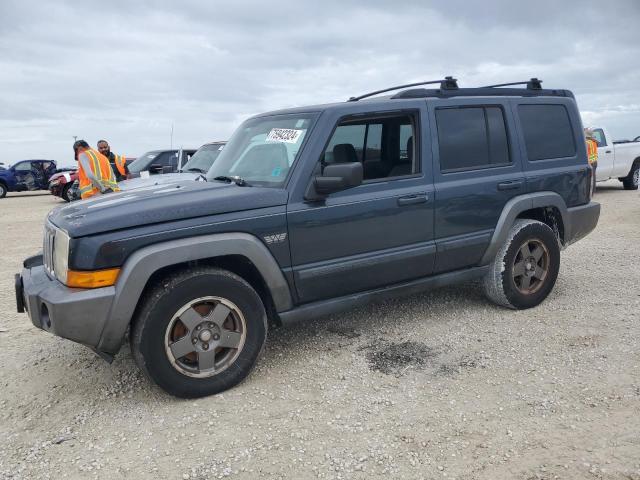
column 471, row 137
column 547, row 131
column 598, row 134
column 346, row 135
column 163, row 159
column 384, row 146
column 23, row 167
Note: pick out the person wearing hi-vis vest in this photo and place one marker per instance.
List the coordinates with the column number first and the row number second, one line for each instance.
column 94, row 172
column 592, row 154
column 118, row 162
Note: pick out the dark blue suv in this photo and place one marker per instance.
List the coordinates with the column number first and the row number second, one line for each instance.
column 26, row 175
column 311, row 210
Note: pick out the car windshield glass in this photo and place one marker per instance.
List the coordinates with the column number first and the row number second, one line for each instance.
column 142, row 162
column 263, row 150
column 202, row 160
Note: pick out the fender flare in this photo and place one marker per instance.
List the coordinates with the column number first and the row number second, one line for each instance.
column 515, row 207
column 143, row 263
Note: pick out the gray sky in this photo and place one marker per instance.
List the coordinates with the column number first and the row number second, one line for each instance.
column 126, row 71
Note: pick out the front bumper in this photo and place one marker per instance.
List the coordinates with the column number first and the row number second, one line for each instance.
column 73, row 313
column 581, row 221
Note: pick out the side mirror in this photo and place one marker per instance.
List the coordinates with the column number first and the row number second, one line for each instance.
column 155, row 168
column 339, row 176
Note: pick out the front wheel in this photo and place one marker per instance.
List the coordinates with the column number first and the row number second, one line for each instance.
column 526, row 266
column 3, row 190
column 199, row 332
column 67, row 192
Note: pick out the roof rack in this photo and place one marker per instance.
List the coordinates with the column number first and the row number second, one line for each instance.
column 447, row 83
column 532, row 84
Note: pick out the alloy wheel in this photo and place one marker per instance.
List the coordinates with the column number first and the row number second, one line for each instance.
column 205, row 336
column 530, row 266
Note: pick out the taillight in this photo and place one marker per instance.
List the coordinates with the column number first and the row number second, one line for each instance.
column 591, row 185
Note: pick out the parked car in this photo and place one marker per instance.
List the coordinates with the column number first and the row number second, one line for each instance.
column 61, row 185
column 159, row 161
column 309, row 211
column 26, row 175
column 619, row 160
column 195, row 168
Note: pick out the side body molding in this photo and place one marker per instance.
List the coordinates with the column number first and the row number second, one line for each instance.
column 143, row 263
column 515, row 207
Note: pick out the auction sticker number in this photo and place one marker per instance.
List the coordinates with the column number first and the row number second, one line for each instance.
column 286, row 135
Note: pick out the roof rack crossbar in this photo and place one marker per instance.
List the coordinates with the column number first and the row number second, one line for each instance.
column 447, row 83
column 532, row 84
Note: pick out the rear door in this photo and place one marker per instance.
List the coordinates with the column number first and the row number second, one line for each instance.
column 477, row 171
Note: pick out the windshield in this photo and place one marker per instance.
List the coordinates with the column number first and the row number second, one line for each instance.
column 202, row 160
column 262, row 150
column 142, row 162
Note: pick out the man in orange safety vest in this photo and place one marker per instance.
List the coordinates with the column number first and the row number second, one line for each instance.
column 118, row 162
column 94, row 172
column 592, row 153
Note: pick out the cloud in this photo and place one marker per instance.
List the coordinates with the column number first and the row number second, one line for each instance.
column 127, row 71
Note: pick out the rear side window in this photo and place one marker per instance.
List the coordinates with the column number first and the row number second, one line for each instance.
column 547, row 131
column 471, row 137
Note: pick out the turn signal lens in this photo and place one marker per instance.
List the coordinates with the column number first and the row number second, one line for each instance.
column 95, row 279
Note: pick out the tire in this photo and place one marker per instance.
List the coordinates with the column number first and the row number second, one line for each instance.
column 630, row 182
column 505, row 285
column 66, row 193
column 227, row 309
column 3, row 190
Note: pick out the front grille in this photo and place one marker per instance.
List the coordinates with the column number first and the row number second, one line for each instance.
column 47, row 248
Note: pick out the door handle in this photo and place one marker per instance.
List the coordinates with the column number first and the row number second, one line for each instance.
column 510, row 185
column 412, row 200
column 607, row 151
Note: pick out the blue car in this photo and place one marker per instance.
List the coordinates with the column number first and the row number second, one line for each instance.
column 26, row 175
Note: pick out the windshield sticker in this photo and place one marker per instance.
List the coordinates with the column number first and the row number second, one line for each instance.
column 221, row 147
column 286, row 135
column 276, row 172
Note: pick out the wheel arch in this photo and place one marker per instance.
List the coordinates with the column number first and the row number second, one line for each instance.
column 240, row 253
column 547, row 207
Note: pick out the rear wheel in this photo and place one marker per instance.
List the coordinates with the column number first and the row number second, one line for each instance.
column 630, row 182
column 3, row 190
column 199, row 332
column 526, row 267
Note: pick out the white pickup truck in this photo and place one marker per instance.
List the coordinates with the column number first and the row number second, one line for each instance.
column 621, row 161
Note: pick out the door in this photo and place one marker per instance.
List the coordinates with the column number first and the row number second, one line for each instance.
column 24, row 175
column 476, row 173
column 606, row 155
column 378, row 233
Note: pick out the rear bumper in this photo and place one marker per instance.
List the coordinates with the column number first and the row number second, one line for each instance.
column 76, row 314
column 581, row 221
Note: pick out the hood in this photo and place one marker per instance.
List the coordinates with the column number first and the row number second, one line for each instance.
column 164, row 179
column 161, row 203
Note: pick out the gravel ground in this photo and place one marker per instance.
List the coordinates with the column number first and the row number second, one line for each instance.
column 437, row 385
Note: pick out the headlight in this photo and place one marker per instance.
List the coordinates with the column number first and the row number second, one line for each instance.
column 61, row 255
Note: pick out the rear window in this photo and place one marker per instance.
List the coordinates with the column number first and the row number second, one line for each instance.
column 471, row 137
column 547, row 131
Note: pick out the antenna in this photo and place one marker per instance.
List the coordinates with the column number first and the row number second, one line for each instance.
column 448, row 83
